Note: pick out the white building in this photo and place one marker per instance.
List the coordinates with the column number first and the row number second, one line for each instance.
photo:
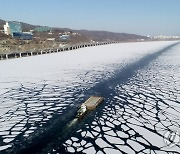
column 12, row 27
column 165, row 37
column 7, row 29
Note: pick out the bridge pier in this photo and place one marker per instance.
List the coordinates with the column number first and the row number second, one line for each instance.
column 40, row 52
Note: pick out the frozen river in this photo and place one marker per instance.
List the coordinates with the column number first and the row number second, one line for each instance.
column 139, row 81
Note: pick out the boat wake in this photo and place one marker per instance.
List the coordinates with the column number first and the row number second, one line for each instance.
column 72, row 123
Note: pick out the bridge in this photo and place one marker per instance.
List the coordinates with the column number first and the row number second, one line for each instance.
column 45, row 51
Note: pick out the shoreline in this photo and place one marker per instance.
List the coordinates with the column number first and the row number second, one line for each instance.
column 19, row 54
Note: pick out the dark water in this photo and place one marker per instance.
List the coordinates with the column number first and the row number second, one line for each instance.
column 142, row 104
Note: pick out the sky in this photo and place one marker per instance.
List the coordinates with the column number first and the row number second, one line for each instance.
column 144, row 17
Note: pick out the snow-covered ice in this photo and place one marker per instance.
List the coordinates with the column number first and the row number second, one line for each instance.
column 34, row 88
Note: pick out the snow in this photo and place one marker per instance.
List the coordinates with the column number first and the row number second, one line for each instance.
column 146, row 108
column 47, row 83
column 66, row 66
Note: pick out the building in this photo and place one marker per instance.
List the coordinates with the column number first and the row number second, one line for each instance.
column 12, row 27
column 2, row 31
column 64, row 38
column 51, row 39
column 7, row 29
column 43, row 29
column 23, row 35
column 164, row 37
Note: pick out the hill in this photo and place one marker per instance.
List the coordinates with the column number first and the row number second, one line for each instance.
column 91, row 35
column 110, row 36
column 2, row 22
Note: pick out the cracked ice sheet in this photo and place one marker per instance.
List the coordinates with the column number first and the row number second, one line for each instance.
column 66, row 66
column 138, row 113
column 49, row 82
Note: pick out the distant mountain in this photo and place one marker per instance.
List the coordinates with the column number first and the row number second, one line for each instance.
column 91, row 35
column 105, row 36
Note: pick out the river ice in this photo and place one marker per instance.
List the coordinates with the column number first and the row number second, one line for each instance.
column 137, row 114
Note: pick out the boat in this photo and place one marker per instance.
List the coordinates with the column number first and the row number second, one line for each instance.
column 90, row 104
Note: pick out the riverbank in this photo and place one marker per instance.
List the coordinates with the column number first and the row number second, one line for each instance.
column 66, row 47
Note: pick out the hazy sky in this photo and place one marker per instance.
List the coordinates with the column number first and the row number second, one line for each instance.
column 143, row 17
